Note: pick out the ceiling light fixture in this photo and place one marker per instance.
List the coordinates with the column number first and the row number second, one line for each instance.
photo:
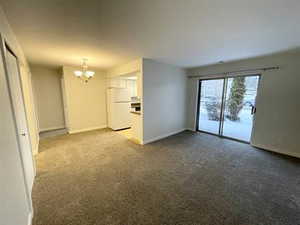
column 84, row 74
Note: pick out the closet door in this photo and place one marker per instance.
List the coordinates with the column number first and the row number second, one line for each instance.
column 20, row 117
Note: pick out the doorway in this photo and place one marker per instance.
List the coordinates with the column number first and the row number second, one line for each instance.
column 226, row 106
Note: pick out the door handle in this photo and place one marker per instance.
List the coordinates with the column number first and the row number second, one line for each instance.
column 253, row 110
column 23, row 134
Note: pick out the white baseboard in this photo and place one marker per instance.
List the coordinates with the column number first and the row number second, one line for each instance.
column 293, row 154
column 162, row 136
column 29, row 222
column 191, row 129
column 52, row 128
column 86, row 129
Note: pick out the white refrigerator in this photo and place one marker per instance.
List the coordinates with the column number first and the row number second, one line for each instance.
column 118, row 108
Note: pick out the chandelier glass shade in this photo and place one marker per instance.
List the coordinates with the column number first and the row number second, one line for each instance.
column 84, row 74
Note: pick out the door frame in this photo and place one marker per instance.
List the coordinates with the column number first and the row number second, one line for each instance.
column 221, row 122
column 4, row 46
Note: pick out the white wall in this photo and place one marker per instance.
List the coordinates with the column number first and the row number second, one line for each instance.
column 126, row 68
column 14, row 201
column 48, row 95
column 162, row 90
column 164, row 97
column 10, row 37
column 277, row 121
column 85, row 102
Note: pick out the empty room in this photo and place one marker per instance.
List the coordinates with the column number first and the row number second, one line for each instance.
column 162, row 112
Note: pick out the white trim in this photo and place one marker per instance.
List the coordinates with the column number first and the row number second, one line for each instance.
column 36, row 148
column 29, row 222
column 87, row 129
column 196, row 106
column 163, row 136
column 65, row 101
column 293, row 154
column 52, row 128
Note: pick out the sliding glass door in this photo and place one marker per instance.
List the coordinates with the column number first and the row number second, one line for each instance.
column 227, row 106
column 240, row 107
column 211, row 94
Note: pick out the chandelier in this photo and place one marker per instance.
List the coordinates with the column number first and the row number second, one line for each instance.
column 84, row 74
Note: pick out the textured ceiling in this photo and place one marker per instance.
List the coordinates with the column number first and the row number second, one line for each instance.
column 186, row 33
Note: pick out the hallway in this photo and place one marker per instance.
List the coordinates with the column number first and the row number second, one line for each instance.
column 100, row 177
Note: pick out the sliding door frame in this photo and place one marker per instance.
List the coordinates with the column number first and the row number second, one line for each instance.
column 222, row 115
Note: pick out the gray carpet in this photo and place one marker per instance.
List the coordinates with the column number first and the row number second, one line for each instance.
column 100, row 177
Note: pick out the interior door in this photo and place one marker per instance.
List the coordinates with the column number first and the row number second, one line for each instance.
column 20, row 117
column 239, row 107
column 210, row 103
